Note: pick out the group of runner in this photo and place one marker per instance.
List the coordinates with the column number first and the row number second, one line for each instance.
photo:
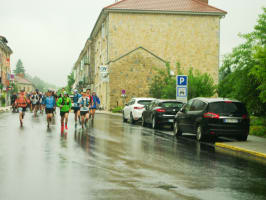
column 84, row 105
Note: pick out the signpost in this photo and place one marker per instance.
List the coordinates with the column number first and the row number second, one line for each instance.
column 181, row 88
column 123, row 95
column 104, row 72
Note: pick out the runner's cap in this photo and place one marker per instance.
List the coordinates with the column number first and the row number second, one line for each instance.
column 65, row 92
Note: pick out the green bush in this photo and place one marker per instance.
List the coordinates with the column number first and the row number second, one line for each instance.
column 257, row 121
column 163, row 84
column 258, row 130
column 117, row 109
column 3, row 100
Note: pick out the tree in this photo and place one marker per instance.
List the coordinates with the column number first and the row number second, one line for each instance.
column 243, row 73
column 70, row 82
column 163, row 84
column 19, row 68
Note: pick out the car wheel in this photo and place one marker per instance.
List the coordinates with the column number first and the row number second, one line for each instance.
column 177, row 131
column 144, row 124
column 124, row 119
column 242, row 138
column 154, row 123
column 199, row 133
column 132, row 121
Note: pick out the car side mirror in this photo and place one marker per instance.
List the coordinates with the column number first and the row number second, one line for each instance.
column 182, row 109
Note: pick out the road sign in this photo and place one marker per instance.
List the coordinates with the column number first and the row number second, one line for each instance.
column 181, row 80
column 181, row 88
column 181, row 91
column 103, row 69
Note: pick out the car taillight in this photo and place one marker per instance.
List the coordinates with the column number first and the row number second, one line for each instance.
column 160, row 110
column 211, row 115
column 228, row 102
column 245, row 117
column 138, row 108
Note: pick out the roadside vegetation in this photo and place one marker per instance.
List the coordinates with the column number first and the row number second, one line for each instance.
column 242, row 76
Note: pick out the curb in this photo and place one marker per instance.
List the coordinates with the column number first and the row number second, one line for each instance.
column 5, row 109
column 109, row 113
column 254, row 153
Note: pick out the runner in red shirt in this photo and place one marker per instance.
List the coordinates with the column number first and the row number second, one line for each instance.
column 21, row 103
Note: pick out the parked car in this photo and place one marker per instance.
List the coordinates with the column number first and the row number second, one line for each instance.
column 213, row 117
column 160, row 112
column 132, row 112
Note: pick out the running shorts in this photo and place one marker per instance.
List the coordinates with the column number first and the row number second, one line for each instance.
column 49, row 110
column 83, row 113
column 76, row 109
column 22, row 109
column 62, row 113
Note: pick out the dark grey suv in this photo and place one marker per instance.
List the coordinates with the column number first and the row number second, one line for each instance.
column 213, row 117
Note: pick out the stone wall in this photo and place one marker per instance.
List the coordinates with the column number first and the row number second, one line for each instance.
column 132, row 73
column 193, row 41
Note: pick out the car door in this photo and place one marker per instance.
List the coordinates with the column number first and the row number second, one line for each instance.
column 194, row 114
column 183, row 117
column 126, row 109
column 146, row 111
column 150, row 113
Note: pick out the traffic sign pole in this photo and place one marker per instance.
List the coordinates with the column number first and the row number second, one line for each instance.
column 181, row 88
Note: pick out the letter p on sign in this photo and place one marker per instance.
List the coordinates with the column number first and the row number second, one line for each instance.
column 182, row 80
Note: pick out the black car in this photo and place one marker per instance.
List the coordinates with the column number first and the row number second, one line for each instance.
column 160, row 112
column 213, row 117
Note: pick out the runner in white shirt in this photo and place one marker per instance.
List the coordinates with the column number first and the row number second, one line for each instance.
column 34, row 100
column 84, row 103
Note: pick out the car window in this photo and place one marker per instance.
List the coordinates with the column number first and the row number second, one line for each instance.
column 197, row 105
column 231, row 108
column 188, row 105
column 171, row 104
column 132, row 102
column 144, row 102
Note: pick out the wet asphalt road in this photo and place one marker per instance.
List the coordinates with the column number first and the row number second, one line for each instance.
column 115, row 160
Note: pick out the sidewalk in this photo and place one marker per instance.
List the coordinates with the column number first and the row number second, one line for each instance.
column 4, row 109
column 255, row 146
column 108, row 113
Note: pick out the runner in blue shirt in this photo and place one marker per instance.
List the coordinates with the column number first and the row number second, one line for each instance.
column 95, row 103
column 49, row 103
column 76, row 106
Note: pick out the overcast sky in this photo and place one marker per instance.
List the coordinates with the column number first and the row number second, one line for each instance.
column 49, row 35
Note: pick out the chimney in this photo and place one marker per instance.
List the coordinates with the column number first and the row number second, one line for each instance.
column 204, row 1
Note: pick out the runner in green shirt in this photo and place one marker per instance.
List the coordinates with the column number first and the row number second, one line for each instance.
column 64, row 103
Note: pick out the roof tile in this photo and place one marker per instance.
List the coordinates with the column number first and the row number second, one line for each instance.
column 166, row 5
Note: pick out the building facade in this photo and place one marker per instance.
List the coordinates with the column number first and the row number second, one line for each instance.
column 5, row 71
column 23, row 84
column 132, row 38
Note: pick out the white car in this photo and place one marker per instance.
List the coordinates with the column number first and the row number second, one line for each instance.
column 132, row 112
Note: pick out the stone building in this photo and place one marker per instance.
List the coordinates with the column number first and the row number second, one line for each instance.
column 5, row 70
column 23, row 84
column 133, row 37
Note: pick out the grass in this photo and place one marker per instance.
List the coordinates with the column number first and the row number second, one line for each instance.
column 258, row 126
column 117, row 110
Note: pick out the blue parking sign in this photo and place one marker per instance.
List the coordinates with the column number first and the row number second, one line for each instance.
column 181, row 80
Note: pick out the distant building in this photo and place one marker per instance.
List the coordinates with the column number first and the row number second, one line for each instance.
column 23, row 84
column 133, row 37
column 5, row 70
